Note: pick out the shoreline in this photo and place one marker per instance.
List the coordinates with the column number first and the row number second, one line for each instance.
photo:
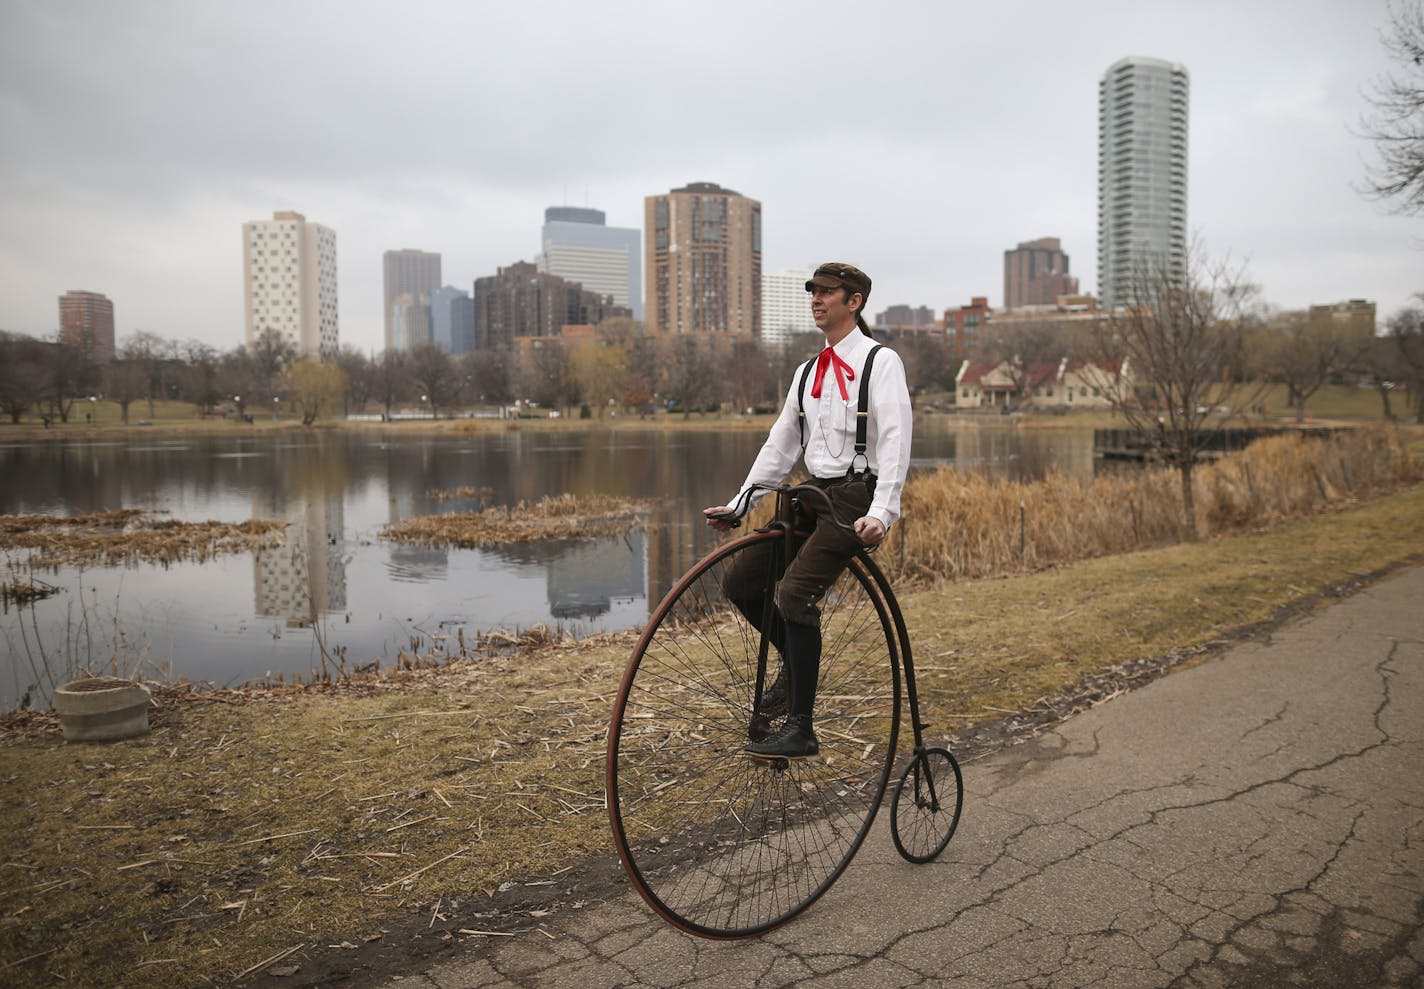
column 469, row 797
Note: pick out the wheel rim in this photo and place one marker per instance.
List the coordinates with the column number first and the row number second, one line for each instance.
column 722, row 845
column 928, row 799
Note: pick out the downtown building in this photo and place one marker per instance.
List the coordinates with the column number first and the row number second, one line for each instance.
column 702, row 250
column 785, row 306
column 578, row 246
column 1036, row 274
column 408, row 276
column 519, row 300
column 452, row 320
column 1142, row 175
column 289, row 273
column 86, row 323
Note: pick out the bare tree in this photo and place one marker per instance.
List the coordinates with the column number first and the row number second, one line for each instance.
column 602, row 372
column 690, row 370
column 125, row 382
column 357, row 368
column 490, row 374
column 199, row 375
column 154, row 354
column 390, row 379
column 1405, row 333
column 1396, row 122
column 1182, row 343
column 434, row 372
column 22, row 374
column 546, row 374
column 1305, row 354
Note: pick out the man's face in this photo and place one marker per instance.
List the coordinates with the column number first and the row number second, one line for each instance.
column 829, row 307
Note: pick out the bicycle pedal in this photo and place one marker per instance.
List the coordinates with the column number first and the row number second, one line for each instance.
column 776, row 763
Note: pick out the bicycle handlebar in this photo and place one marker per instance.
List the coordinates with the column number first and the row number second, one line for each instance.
column 743, row 504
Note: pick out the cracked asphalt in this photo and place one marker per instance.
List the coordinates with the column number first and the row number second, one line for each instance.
column 1257, row 820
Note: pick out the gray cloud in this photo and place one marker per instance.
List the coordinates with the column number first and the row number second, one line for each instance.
column 918, row 139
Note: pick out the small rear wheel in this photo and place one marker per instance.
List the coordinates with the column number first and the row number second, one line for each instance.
column 927, row 803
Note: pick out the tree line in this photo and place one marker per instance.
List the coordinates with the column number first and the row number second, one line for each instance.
column 618, row 369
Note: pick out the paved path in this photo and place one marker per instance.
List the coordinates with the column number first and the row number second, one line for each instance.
column 1255, row 821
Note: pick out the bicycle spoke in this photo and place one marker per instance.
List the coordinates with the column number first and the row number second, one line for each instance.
column 721, row 844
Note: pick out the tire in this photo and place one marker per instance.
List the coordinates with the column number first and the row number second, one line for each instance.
column 928, row 799
column 719, row 844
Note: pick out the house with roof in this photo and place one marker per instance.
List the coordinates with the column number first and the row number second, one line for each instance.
column 1062, row 384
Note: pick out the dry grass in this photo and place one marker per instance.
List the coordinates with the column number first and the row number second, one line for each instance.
column 563, row 516
column 963, row 526
column 234, row 832
column 128, row 535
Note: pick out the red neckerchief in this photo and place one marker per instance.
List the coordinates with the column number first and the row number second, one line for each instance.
column 844, row 373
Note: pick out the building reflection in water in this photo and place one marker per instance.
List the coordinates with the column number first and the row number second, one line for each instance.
column 588, row 578
column 305, row 577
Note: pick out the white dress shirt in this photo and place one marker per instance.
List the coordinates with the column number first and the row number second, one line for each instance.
column 830, row 428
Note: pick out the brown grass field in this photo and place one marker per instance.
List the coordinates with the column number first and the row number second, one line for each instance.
column 248, row 824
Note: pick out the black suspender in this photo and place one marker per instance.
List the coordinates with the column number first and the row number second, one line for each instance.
column 862, row 415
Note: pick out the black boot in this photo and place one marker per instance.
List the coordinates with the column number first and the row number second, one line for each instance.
column 796, row 741
column 773, row 696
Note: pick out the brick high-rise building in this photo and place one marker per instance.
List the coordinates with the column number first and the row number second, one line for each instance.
column 702, row 250
column 86, row 322
column 964, row 327
column 519, row 300
column 289, row 268
column 407, row 272
column 1142, row 175
column 1036, row 274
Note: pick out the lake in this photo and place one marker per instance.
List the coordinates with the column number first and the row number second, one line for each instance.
column 334, row 581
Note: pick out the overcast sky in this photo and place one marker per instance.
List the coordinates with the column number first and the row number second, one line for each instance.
column 918, row 140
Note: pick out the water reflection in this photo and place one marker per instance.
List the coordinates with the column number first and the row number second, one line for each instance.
column 334, row 583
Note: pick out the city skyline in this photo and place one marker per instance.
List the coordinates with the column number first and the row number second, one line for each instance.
column 920, row 178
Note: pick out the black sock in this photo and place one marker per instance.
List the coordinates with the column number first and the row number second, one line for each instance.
column 803, row 656
column 752, row 610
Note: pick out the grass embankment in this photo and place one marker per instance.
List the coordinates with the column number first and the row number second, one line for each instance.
column 233, row 832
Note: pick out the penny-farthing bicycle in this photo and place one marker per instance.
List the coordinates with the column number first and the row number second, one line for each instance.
column 726, row 845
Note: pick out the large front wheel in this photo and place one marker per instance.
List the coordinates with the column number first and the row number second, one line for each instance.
column 720, row 844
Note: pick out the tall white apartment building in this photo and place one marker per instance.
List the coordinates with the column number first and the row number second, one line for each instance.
column 289, row 271
column 578, row 247
column 1142, row 174
column 785, row 306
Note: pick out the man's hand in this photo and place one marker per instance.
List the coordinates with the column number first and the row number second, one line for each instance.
column 870, row 530
column 721, row 517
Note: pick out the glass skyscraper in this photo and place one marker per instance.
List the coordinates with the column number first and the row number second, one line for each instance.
column 1142, row 174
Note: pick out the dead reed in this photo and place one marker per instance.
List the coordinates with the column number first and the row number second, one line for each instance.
column 565, row 516
column 129, row 535
column 961, row 526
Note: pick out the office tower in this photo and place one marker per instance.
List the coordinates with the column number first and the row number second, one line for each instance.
column 703, row 260
column 1142, row 174
column 86, row 322
column 410, row 322
column 290, row 270
column 519, row 300
column 785, row 306
column 1036, row 274
column 903, row 317
column 407, row 272
column 452, row 320
column 578, row 247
